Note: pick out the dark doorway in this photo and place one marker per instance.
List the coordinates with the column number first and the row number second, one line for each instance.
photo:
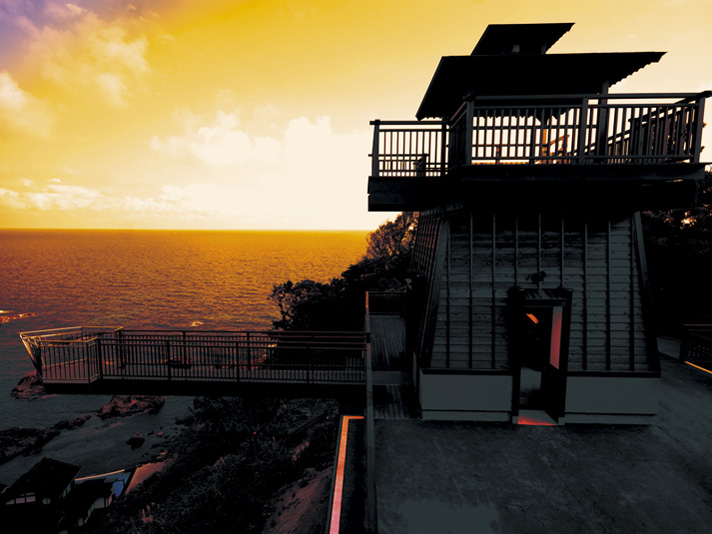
column 541, row 331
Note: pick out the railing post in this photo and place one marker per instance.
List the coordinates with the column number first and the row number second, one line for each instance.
column 249, row 352
column 443, row 150
column 99, row 359
column 583, row 126
column 374, row 151
column 237, row 358
column 602, row 124
column 700, row 124
column 168, row 358
column 469, row 126
column 309, row 365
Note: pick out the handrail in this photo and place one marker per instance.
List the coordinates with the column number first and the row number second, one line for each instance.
column 272, row 356
column 576, row 129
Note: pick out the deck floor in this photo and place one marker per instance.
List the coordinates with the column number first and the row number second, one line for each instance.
column 459, row 477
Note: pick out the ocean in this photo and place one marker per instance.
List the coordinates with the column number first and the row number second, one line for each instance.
column 140, row 279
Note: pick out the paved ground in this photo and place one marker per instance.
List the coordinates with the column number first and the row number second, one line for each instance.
column 438, row 477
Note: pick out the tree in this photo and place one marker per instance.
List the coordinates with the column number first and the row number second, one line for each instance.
column 338, row 305
column 392, row 238
column 679, row 251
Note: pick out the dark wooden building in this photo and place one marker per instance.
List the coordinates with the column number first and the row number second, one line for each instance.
column 530, row 287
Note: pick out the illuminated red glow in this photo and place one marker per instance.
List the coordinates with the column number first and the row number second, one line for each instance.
column 533, row 318
column 335, row 524
column 531, row 420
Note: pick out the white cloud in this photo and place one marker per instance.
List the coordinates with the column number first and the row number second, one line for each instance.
column 109, row 47
column 112, row 86
column 11, row 199
column 88, row 52
column 219, row 143
column 63, row 11
column 305, row 176
column 21, row 110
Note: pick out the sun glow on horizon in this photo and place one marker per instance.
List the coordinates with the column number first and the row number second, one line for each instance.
column 254, row 115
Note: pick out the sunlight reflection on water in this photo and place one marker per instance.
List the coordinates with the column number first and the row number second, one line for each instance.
column 145, row 279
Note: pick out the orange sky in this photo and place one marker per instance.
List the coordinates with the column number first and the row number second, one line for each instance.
column 255, row 114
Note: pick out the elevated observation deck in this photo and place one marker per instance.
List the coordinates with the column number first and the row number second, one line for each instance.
column 101, row 359
column 644, row 148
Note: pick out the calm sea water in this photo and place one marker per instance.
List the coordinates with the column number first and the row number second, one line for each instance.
column 142, row 279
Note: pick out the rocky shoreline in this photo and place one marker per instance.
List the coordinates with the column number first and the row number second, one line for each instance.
column 280, row 451
column 19, row 440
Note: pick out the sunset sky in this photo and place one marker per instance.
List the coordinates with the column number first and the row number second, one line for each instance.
column 227, row 114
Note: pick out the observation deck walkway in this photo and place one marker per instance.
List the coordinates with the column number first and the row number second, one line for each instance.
column 101, row 359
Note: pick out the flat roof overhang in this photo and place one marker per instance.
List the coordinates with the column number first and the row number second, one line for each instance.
column 530, row 38
column 564, row 187
column 460, row 77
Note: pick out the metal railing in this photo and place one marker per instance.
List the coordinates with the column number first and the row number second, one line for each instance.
column 85, row 355
column 637, row 129
column 696, row 342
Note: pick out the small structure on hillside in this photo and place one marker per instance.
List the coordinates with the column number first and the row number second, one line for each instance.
column 51, row 499
column 530, row 286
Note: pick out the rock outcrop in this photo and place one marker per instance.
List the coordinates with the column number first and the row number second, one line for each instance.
column 29, row 387
column 69, row 424
column 124, row 405
column 18, row 440
column 136, row 440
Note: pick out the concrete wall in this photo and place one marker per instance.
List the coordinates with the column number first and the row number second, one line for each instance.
column 466, row 397
column 601, row 399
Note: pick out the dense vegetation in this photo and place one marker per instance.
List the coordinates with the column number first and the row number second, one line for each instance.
column 226, row 466
column 338, row 305
column 679, row 252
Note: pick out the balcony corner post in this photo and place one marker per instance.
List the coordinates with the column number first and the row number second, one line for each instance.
column 469, row 127
column 443, row 150
column 700, row 126
column 374, row 151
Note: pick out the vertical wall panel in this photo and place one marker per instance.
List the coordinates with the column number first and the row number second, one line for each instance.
column 486, row 255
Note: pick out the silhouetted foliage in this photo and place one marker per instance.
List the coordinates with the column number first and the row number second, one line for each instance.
column 392, row 238
column 338, row 305
column 227, row 466
column 679, row 252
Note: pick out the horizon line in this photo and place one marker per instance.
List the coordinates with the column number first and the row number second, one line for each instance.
column 191, row 229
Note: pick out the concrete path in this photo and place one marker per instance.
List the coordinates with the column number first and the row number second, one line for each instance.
column 439, row 477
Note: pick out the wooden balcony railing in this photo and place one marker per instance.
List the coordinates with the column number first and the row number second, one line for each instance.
column 637, row 129
column 84, row 355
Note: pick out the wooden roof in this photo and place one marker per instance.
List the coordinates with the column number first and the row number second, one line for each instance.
column 47, row 478
column 511, row 59
column 530, row 38
column 550, row 74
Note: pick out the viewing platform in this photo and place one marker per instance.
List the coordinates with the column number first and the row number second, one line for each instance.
column 628, row 140
column 100, row 359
